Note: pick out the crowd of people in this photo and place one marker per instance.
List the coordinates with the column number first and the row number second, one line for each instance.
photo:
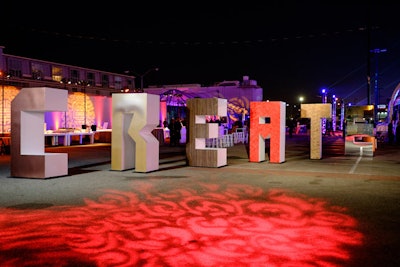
column 175, row 125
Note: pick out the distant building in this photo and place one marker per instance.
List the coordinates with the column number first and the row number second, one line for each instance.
column 90, row 91
column 97, row 87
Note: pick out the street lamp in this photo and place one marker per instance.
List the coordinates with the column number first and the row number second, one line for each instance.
column 301, row 99
column 324, row 93
column 142, row 76
column 334, row 104
column 324, row 100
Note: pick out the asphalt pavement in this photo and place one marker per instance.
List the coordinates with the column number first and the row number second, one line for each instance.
column 365, row 188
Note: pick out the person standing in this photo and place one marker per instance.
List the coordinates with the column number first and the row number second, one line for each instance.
column 165, row 123
column 291, row 128
column 297, row 127
column 172, row 132
column 177, row 129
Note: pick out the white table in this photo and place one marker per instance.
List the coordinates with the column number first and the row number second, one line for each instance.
column 80, row 134
column 54, row 138
column 68, row 136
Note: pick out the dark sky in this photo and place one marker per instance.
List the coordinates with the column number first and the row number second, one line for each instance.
column 290, row 48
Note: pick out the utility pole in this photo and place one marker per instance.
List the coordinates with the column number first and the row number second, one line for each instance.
column 375, row 52
column 334, row 104
column 368, row 58
column 141, row 90
column 324, row 100
column 144, row 74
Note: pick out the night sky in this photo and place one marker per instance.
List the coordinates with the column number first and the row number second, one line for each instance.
column 291, row 48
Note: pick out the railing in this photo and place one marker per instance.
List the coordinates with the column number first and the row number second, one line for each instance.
column 225, row 140
column 228, row 140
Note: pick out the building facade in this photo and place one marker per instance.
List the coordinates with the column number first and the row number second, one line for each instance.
column 90, row 92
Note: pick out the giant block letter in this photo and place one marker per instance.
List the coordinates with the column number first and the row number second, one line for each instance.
column 28, row 157
column 196, row 151
column 316, row 112
column 275, row 111
column 133, row 145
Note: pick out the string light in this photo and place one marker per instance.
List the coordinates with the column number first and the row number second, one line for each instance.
column 196, row 43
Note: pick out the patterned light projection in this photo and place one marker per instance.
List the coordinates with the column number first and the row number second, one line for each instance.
column 75, row 116
column 98, row 111
column 237, row 108
column 212, row 224
column 9, row 94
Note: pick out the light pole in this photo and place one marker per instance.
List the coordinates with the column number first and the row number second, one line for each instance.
column 342, row 118
column 334, row 103
column 376, row 51
column 324, row 100
column 142, row 76
column 301, row 99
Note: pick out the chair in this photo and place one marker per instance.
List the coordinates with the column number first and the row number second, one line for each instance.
column 241, row 135
column 235, row 138
column 212, row 142
column 230, row 137
column 227, row 140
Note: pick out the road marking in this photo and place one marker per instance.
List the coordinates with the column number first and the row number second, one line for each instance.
column 355, row 164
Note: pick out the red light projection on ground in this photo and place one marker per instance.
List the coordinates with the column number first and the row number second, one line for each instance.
column 214, row 225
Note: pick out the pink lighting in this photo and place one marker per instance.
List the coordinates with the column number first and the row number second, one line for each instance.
column 216, row 225
column 101, row 104
column 98, row 111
